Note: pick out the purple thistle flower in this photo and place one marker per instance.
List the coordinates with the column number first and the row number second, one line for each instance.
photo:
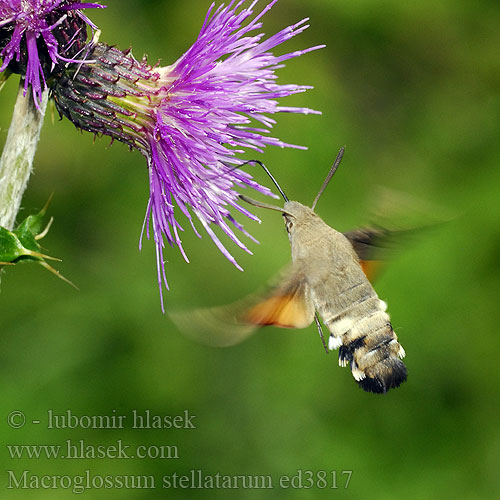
column 190, row 119
column 207, row 116
column 26, row 22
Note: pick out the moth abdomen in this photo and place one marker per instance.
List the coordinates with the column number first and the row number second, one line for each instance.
column 376, row 362
column 365, row 338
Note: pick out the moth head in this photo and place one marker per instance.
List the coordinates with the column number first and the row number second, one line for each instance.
column 291, row 211
column 296, row 215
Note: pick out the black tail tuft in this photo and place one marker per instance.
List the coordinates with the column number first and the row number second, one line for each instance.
column 389, row 376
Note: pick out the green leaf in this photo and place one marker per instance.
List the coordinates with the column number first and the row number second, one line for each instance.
column 21, row 245
column 11, row 247
column 33, row 223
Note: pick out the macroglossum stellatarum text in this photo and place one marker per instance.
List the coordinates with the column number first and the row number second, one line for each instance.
column 327, row 277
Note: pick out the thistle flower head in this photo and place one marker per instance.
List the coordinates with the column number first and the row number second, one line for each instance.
column 191, row 119
column 24, row 24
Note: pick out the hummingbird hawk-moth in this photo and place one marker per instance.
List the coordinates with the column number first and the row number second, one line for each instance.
column 329, row 278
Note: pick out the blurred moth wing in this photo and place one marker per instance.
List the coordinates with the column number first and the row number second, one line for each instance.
column 289, row 305
column 397, row 220
column 373, row 247
column 286, row 304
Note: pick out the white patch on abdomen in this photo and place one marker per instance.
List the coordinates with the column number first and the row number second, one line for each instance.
column 337, row 329
column 334, row 342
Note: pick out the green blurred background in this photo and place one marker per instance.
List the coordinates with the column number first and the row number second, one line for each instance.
column 412, row 89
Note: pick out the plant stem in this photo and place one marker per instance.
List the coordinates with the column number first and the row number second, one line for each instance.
column 16, row 162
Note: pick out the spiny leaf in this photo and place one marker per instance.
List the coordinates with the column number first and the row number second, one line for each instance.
column 33, row 223
column 21, row 244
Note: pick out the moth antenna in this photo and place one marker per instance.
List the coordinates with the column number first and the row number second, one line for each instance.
column 335, row 165
column 266, row 170
column 261, row 204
